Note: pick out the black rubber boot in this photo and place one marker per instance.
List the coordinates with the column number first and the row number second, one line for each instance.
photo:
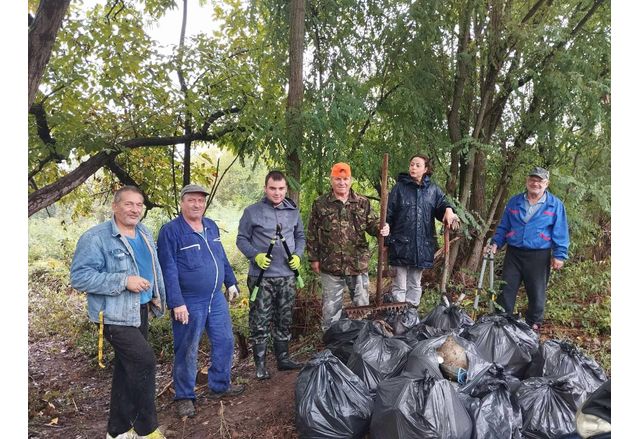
column 259, row 357
column 281, row 349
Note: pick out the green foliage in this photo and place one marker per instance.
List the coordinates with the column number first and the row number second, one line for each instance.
column 580, row 296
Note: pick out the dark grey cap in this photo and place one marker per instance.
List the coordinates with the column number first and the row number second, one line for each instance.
column 539, row 172
column 193, row 188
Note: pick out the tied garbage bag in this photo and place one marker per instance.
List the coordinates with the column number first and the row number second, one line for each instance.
column 422, row 331
column 558, row 357
column 448, row 317
column 377, row 355
column 549, row 406
column 411, row 407
column 341, row 335
column 495, row 411
column 403, row 321
column 331, row 401
column 502, row 339
column 423, row 359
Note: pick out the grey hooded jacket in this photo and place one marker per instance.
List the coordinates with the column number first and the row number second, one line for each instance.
column 258, row 227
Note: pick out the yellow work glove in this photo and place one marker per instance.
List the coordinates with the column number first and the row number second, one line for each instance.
column 263, row 260
column 294, row 262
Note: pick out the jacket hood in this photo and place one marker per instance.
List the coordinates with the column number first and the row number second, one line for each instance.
column 405, row 178
column 287, row 203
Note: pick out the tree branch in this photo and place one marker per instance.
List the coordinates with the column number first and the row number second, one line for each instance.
column 49, row 194
column 126, row 179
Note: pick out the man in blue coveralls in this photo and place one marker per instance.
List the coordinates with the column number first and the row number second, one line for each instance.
column 195, row 266
column 534, row 227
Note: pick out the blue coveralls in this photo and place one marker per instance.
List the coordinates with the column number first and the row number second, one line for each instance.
column 194, row 270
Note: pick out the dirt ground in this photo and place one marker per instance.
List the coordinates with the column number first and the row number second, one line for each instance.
column 69, row 398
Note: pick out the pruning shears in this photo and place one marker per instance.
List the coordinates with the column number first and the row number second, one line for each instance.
column 488, row 256
column 299, row 281
column 256, row 287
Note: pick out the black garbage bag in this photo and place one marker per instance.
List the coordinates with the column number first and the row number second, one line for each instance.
column 411, row 407
column 331, row 401
column 422, row 331
column 494, row 410
column 559, row 357
column 376, row 355
column 502, row 339
column 423, row 359
column 549, row 405
column 403, row 321
column 448, row 317
column 340, row 336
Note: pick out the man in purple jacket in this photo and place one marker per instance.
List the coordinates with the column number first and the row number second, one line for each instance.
column 534, row 227
column 195, row 266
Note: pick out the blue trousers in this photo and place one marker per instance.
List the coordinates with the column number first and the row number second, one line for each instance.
column 186, row 339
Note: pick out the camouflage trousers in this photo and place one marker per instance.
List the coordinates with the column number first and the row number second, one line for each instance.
column 273, row 305
column 333, row 289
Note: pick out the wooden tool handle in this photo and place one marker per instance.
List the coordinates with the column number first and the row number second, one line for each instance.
column 383, row 220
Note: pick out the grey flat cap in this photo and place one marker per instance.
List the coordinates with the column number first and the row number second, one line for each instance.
column 193, row 188
column 539, row 172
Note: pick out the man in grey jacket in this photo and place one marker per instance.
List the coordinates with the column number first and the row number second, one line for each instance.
column 274, row 302
column 116, row 264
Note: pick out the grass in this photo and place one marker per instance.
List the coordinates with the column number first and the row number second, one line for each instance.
column 578, row 305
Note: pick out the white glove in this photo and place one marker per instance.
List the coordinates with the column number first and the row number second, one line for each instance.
column 233, row 293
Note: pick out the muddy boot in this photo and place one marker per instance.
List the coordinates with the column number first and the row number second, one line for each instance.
column 259, row 357
column 281, row 349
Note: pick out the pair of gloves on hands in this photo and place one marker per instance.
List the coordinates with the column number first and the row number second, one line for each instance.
column 264, row 261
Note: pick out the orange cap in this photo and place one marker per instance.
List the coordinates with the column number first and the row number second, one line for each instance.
column 341, row 170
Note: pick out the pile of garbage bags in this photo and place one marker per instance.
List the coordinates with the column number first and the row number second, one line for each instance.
column 445, row 376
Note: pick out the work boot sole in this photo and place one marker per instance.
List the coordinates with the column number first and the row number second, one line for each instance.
column 232, row 391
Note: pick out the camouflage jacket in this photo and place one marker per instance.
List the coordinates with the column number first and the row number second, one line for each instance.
column 336, row 234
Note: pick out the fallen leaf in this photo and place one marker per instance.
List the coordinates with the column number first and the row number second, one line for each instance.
column 54, row 421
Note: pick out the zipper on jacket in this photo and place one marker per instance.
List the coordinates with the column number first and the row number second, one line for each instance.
column 214, row 263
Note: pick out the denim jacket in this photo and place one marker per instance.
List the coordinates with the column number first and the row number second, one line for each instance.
column 101, row 264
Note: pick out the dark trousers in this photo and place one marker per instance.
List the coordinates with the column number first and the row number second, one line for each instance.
column 133, row 388
column 531, row 267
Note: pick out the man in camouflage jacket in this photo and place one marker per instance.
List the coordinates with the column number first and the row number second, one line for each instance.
column 337, row 245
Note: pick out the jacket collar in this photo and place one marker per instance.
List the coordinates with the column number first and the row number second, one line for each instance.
column 115, row 231
column 405, row 178
column 186, row 228
column 286, row 204
column 351, row 198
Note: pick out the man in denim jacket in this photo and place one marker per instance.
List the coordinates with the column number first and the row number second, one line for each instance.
column 195, row 267
column 116, row 264
column 534, row 227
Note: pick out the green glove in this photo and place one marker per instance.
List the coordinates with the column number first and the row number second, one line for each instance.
column 263, row 260
column 294, row 262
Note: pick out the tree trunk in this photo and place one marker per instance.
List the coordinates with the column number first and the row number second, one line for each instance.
column 188, row 129
column 296, row 94
column 42, row 35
